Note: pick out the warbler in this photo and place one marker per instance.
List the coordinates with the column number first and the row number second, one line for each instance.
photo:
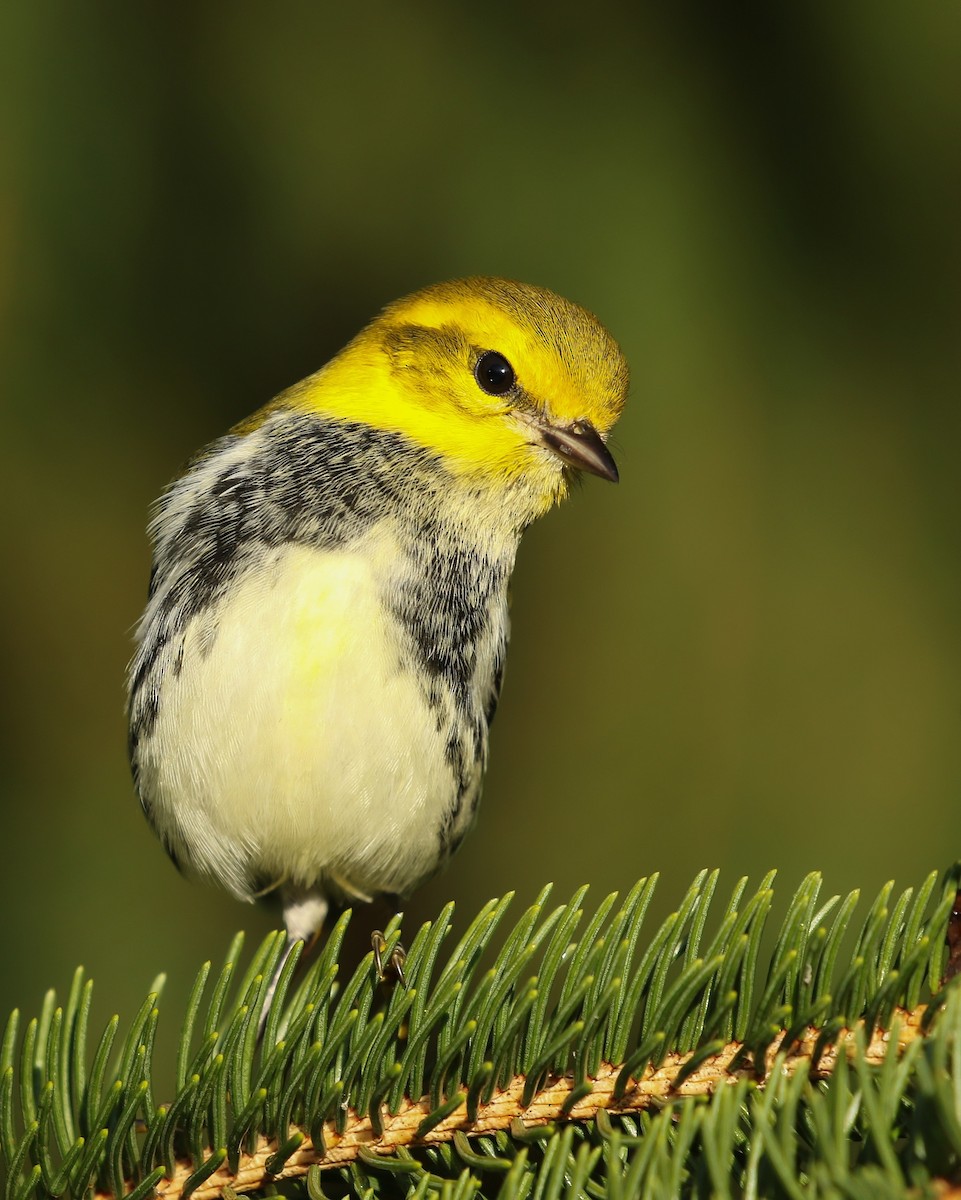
column 322, row 649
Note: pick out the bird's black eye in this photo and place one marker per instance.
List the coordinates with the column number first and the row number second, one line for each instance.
column 494, row 374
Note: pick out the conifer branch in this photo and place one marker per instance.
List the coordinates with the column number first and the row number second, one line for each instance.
column 580, row 1036
column 550, row 1105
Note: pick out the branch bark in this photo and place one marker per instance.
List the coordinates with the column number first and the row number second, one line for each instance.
column 653, row 1088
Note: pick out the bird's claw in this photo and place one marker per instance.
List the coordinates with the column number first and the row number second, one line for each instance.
column 391, row 969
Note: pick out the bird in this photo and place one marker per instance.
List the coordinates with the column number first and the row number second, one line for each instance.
column 320, row 657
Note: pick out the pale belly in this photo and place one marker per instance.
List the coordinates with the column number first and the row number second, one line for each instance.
column 296, row 744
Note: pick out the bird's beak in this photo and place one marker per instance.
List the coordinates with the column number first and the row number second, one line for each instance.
column 581, row 446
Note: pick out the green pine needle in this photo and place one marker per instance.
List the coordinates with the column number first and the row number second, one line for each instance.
column 564, row 1000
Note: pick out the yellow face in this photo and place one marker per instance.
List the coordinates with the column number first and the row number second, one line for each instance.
column 507, row 382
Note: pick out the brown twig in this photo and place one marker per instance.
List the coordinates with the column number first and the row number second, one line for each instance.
column 653, row 1088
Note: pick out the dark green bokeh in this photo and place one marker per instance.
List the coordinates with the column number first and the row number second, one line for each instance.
column 746, row 655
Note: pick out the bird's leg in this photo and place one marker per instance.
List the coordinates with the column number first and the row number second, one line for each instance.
column 305, row 910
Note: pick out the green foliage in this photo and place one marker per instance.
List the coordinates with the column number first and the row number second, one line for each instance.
column 559, row 997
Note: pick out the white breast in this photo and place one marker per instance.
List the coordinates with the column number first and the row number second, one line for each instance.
column 295, row 742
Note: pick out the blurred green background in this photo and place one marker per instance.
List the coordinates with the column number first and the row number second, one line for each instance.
column 747, row 654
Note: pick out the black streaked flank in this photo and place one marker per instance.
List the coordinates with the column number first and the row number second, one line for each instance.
column 444, row 603
column 447, row 604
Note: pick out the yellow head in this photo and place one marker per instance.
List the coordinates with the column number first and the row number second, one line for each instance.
column 508, row 383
